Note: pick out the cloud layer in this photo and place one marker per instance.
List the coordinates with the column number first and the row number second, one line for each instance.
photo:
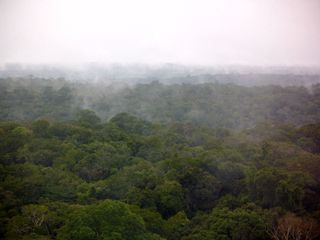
column 254, row 32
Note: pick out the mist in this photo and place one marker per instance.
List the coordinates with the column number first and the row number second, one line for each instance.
column 201, row 32
column 160, row 119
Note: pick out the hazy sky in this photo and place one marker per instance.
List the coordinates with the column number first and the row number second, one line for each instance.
column 256, row 32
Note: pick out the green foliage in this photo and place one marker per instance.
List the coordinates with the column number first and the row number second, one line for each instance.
column 202, row 188
column 132, row 179
column 106, row 220
column 88, row 118
column 40, row 128
column 212, row 105
column 177, row 226
column 227, row 224
column 131, row 124
column 272, row 187
column 170, row 198
column 31, row 182
column 21, row 101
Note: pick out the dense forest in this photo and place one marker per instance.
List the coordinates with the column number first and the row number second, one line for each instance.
column 154, row 161
column 214, row 105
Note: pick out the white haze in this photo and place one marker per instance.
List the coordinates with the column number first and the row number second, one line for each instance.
column 252, row 32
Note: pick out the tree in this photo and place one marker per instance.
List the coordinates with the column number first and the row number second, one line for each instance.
column 225, row 224
column 202, row 188
column 40, row 128
column 131, row 124
column 170, row 198
column 272, row 187
column 177, row 226
column 88, row 118
column 292, row 227
column 107, row 220
column 35, row 221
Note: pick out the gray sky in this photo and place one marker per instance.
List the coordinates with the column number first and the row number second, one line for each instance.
column 254, row 32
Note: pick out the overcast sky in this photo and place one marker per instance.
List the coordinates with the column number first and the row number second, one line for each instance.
column 253, row 32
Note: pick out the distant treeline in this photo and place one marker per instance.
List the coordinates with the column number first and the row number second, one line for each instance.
column 168, row 73
column 206, row 104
